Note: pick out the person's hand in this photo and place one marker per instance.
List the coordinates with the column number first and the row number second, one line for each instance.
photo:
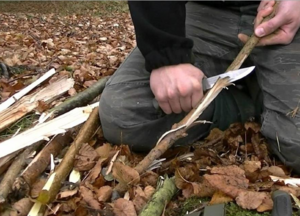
column 177, row 88
column 282, row 28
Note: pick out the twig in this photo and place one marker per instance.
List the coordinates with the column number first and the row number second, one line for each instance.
column 249, row 46
column 24, row 91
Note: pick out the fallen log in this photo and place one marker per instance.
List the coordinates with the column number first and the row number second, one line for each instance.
column 22, row 184
column 30, row 102
column 43, row 131
column 26, row 90
column 160, row 198
column 53, row 184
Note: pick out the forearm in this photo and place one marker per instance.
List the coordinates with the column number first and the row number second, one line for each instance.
column 160, row 32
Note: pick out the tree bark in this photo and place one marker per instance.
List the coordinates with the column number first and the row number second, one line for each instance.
column 82, row 98
column 23, row 183
column 160, row 198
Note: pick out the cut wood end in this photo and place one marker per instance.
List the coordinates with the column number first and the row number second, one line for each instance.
column 35, row 209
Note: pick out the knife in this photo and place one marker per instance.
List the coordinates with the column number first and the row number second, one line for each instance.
column 208, row 83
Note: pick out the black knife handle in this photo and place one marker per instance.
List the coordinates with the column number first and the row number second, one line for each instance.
column 282, row 204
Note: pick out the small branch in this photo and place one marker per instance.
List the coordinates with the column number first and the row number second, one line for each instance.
column 82, row 98
column 160, row 198
column 24, row 91
column 249, row 46
column 65, row 167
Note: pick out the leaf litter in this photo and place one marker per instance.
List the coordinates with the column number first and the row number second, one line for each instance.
column 231, row 165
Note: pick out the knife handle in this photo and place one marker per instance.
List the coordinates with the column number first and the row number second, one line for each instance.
column 282, row 204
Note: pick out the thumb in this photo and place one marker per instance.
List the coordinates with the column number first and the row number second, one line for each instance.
column 269, row 26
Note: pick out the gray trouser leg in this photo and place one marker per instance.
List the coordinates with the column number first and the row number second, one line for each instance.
column 278, row 69
column 127, row 113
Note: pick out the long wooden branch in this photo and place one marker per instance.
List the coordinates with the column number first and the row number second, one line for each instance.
column 179, row 130
column 59, row 175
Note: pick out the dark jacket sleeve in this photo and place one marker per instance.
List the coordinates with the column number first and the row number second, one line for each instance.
column 160, row 32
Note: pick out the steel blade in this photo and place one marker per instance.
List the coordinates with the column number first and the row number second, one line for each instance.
column 208, row 83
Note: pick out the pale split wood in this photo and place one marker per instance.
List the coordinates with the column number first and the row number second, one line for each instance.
column 30, row 102
column 26, row 90
column 45, row 130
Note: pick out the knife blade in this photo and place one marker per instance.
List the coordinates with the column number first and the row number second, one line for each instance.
column 208, row 83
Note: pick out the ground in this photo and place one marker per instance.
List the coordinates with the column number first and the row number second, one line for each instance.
column 88, row 41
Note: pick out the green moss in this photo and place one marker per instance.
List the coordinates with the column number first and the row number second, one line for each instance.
column 234, row 210
column 21, row 125
column 192, row 203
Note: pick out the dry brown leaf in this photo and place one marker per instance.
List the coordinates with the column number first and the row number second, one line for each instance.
column 123, row 207
column 214, row 134
column 266, row 205
column 95, row 172
column 125, row 174
column 104, row 150
column 220, row 197
column 276, row 171
column 253, row 126
column 67, row 194
column 230, row 180
column 149, row 178
column 149, row 191
column 252, row 169
column 251, row 166
column 253, row 200
column 233, row 135
column 86, row 158
column 140, row 199
column 104, row 193
column 88, row 197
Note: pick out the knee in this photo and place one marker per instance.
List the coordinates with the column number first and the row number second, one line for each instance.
column 283, row 137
